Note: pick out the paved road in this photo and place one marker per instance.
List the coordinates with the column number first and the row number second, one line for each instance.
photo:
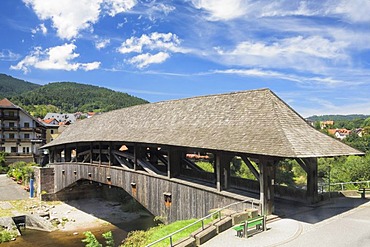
column 342, row 222
column 9, row 190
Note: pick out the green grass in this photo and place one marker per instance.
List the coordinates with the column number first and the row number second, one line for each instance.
column 140, row 238
column 208, row 167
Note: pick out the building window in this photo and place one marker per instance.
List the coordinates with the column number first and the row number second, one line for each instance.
column 52, row 131
column 13, row 149
column 26, row 136
column 11, row 113
column 11, row 124
column 26, row 124
column 11, row 136
column 24, row 149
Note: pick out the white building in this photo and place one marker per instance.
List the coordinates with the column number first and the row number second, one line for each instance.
column 21, row 134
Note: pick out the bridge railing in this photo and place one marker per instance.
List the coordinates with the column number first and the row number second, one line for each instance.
column 202, row 220
column 342, row 186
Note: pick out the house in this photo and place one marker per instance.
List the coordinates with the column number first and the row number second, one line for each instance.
column 51, row 126
column 21, row 134
column 339, row 133
column 61, row 117
column 326, row 124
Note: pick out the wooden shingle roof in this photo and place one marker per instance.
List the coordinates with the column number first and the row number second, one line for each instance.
column 251, row 122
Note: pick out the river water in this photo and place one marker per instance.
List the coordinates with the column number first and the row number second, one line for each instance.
column 32, row 238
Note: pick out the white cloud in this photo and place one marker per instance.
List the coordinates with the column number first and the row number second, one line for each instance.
column 355, row 10
column 115, row 7
column 7, row 55
column 56, row 58
column 40, row 28
column 164, row 41
column 222, row 9
column 306, row 53
column 144, row 60
column 160, row 7
column 161, row 43
column 102, row 43
column 69, row 17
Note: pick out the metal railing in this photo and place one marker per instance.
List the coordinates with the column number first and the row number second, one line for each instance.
column 342, row 185
column 170, row 236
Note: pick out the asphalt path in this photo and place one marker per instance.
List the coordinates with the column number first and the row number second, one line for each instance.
column 10, row 190
column 340, row 222
column 351, row 228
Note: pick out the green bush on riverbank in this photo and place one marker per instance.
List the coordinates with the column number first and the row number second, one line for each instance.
column 6, row 236
column 21, row 171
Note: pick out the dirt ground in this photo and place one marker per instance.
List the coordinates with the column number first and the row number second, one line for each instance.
column 67, row 216
column 91, row 213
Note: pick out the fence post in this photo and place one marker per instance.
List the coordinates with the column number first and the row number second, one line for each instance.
column 342, row 186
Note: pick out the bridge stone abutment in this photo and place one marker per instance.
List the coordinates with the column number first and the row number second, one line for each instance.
column 170, row 198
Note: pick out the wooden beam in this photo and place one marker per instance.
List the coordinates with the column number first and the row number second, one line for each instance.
column 302, row 164
column 251, row 167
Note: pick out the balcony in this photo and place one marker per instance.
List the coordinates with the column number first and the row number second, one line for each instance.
column 7, row 128
column 9, row 117
column 26, row 129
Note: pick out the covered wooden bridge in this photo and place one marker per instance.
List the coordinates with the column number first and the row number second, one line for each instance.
column 154, row 139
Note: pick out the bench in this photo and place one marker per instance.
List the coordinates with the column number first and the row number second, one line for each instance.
column 363, row 191
column 242, row 229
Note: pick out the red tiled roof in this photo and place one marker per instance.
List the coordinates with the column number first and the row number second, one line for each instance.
column 48, row 121
column 6, row 103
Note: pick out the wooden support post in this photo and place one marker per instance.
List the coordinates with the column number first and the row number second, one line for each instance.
column 110, row 154
column 222, row 171
column 218, row 171
column 153, row 157
column 99, row 153
column 91, row 152
column 174, row 163
column 225, row 168
column 51, row 155
column 67, row 154
column 267, row 180
column 76, row 158
column 312, row 183
column 136, row 154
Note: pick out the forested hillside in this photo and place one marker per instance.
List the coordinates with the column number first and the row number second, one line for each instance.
column 10, row 86
column 73, row 97
column 350, row 117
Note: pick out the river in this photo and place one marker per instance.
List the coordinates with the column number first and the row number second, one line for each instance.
column 31, row 238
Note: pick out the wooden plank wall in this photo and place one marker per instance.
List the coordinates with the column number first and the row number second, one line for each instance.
column 189, row 200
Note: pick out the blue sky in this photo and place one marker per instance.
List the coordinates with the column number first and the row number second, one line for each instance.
column 315, row 55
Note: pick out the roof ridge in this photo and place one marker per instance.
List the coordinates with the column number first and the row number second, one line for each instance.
column 217, row 94
column 276, row 113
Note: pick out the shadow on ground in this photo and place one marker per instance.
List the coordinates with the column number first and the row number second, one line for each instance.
column 318, row 212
